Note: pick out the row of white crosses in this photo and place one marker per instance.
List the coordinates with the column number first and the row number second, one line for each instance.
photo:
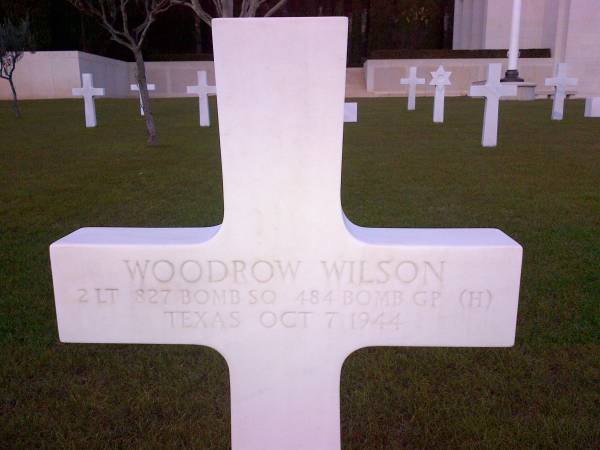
column 89, row 92
column 492, row 90
column 202, row 90
column 440, row 79
column 561, row 82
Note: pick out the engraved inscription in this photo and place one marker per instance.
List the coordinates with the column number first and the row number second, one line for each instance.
column 476, row 300
column 203, row 319
column 217, row 294
column 212, row 270
column 98, row 295
column 381, row 272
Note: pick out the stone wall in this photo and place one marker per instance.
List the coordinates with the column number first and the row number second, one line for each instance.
column 46, row 75
column 172, row 77
column 582, row 51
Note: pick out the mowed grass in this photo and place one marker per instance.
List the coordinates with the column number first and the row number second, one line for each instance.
column 541, row 185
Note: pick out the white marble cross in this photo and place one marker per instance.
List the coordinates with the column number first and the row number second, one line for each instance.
column 351, row 112
column 492, row 90
column 560, row 82
column 440, row 79
column 286, row 287
column 203, row 90
column 136, row 88
column 412, row 82
column 88, row 92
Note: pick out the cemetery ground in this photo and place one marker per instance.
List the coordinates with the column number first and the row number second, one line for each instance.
column 541, row 186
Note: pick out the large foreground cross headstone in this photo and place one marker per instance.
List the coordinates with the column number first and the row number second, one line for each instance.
column 412, row 82
column 560, row 82
column 203, row 90
column 286, row 287
column 492, row 90
column 136, row 88
column 440, row 79
column 88, row 92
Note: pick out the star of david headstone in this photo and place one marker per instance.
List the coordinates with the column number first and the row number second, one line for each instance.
column 440, row 79
column 286, row 287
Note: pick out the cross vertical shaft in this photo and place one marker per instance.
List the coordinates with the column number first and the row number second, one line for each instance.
column 287, row 131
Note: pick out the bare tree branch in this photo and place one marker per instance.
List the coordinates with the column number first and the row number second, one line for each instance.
column 116, row 17
column 248, row 8
column 275, row 8
column 195, row 6
column 219, row 7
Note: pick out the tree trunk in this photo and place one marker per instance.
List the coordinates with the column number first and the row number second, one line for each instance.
column 15, row 105
column 227, row 8
column 140, row 73
column 198, row 33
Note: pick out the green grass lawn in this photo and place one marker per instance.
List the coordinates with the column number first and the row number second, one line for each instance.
column 541, row 186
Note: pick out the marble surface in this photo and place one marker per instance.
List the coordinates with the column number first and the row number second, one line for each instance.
column 286, row 287
column 88, row 92
column 592, row 107
column 351, row 112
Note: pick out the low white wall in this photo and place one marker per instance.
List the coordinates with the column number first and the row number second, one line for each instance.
column 45, row 75
column 583, row 45
column 383, row 75
column 111, row 74
column 172, row 77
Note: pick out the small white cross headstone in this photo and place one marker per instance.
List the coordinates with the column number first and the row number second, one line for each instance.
column 440, row 79
column 351, row 112
column 286, row 287
column 203, row 90
column 560, row 82
column 492, row 90
column 136, row 88
column 88, row 92
column 592, row 107
column 412, row 82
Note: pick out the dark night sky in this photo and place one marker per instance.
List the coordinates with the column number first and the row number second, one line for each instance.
column 59, row 26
